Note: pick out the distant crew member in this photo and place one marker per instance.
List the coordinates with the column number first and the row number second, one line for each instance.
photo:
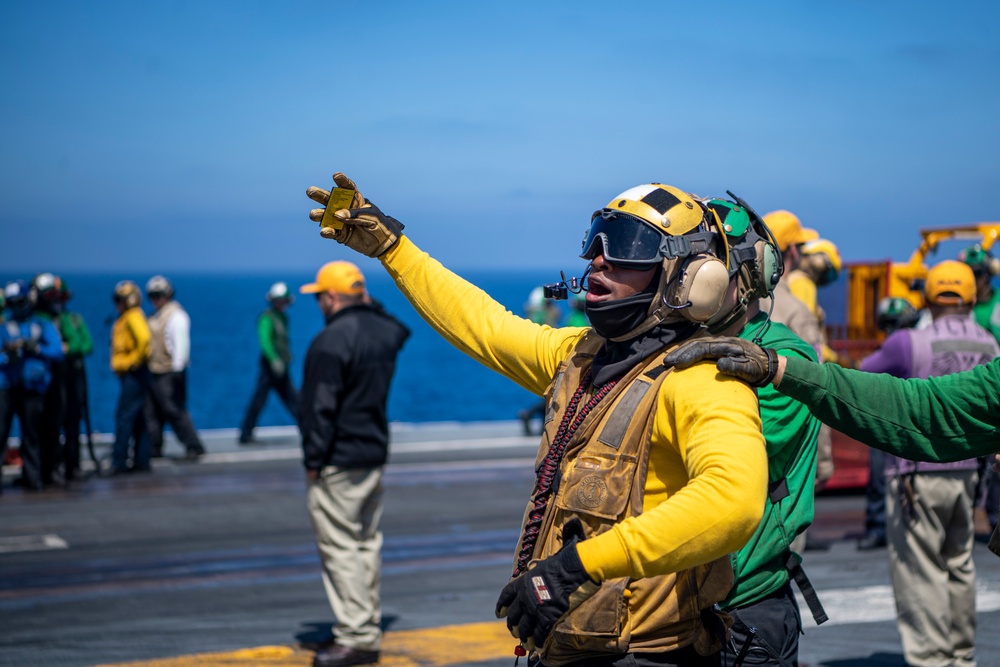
column 985, row 267
column 929, row 506
column 819, row 266
column 130, row 341
column 77, row 344
column 47, row 297
column 28, row 347
column 577, row 316
column 345, row 443
column 891, row 315
column 539, row 310
column 275, row 357
column 169, row 356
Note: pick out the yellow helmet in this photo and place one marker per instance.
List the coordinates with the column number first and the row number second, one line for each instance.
column 127, row 293
column 668, row 209
column 825, row 259
column 654, row 225
column 787, row 230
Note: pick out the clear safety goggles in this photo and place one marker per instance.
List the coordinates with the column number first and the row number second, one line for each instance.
column 624, row 240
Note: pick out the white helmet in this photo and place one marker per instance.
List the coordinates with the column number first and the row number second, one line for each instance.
column 279, row 292
column 159, row 285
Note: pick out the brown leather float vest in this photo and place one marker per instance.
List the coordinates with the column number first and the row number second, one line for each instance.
column 159, row 356
column 602, row 480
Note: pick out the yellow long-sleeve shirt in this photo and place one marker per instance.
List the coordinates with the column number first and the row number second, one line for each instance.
column 803, row 289
column 707, row 475
column 129, row 341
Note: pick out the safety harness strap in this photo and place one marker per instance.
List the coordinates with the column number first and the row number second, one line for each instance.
column 794, row 566
column 777, row 490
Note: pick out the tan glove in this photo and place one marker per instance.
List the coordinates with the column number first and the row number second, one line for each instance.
column 366, row 229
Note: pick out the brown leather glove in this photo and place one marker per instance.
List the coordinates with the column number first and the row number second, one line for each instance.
column 740, row 358
column 366, row 229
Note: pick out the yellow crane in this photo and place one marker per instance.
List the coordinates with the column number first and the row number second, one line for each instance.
column 868, row 282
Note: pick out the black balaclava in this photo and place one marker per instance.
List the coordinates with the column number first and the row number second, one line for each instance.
column 612, row 319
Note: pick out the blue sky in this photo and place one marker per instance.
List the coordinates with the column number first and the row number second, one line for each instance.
column 181, row 136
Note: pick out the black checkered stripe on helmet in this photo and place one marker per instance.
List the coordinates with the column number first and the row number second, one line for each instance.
column 661, row 200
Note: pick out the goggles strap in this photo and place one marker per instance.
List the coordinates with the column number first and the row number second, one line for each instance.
column 672, row 247
column 741, row 255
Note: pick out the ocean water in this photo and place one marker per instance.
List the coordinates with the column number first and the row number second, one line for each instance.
column 434, row 382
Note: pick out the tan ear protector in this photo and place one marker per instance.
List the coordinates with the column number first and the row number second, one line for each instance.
column 695, row 284
column 699, row 288
column 700, row 284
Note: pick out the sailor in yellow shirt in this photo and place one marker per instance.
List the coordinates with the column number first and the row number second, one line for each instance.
column 130, row 339
column 820, row 266
column 647, row 478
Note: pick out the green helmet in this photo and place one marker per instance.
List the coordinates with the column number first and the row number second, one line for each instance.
column 980, row 260
column 894, row 313
column 753, row 256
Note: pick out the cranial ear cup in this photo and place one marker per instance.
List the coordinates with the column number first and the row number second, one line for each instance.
column 768, row 267
column 702, row 283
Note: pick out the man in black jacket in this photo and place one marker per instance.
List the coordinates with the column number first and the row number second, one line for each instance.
column 345, row 439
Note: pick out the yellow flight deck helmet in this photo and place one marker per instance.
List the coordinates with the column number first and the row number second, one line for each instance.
column 787, row 230
column 824, row 258
column 659, row 225
column 127, row 292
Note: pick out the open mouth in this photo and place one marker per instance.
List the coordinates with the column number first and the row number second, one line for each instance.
column 596, row 290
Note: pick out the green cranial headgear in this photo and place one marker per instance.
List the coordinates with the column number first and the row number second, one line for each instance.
column 753, row 255
column 980, row 260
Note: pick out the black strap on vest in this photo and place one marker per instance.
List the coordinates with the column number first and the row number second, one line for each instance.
column 655, row 372
column 794, row 566
column 712, row 620
column 777, row 490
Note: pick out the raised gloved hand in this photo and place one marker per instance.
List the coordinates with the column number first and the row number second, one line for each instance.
column 535, row 601
column 278, row 367
column 366, row 229
column 740, row 358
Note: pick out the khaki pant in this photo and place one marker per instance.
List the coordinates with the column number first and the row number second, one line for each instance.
column 346, row 506
column 930, row 560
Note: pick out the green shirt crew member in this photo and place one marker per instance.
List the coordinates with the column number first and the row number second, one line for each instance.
column 275, row 357
column 77, row 344
column 767, row 620
column 984, row 267
column 791, row 432
column 946, row 418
